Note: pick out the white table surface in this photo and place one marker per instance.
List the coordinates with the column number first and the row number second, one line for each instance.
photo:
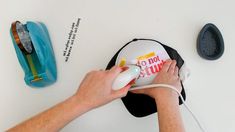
column 106, row 25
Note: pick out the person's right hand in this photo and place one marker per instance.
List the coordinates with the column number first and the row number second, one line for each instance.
column 96, row 88
column 167, row 75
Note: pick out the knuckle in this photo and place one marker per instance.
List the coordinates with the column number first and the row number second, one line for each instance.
column 114, row 68
column 109, row 73
column 90, row 72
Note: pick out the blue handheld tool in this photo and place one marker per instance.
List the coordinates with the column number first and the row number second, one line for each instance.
column 34, row 52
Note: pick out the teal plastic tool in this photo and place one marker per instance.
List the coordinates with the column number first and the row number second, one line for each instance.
column 35, row 53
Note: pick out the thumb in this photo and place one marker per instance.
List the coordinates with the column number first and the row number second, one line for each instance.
column 121, row 92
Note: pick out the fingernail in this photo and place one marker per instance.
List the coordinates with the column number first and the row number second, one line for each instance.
column 124, row 68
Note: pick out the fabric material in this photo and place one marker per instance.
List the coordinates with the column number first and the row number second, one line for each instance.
column 140, row 105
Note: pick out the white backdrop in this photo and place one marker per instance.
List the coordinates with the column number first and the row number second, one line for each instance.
column 105, row 26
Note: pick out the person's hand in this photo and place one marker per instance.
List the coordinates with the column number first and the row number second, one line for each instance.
column 167, row 75
column 96, row 88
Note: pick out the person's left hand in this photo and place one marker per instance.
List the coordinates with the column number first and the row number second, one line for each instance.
column 96, row 88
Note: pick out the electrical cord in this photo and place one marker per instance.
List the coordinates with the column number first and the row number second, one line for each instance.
column 174, row 89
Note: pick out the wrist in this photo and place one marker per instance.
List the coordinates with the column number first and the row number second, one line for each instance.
column 165, row 95
column 80, row 104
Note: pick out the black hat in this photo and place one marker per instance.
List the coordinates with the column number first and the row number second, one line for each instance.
column 140, row 105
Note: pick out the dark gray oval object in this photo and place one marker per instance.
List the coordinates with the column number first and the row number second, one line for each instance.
column 210, row 43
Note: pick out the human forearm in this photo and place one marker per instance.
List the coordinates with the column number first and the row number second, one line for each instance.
column 166, row 99
column 94, row 91
column 55, row 118
column 169, row 116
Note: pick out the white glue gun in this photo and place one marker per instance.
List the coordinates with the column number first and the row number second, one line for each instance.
column 128, row 76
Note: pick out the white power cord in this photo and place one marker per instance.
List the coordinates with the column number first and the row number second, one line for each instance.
column 173, row 88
